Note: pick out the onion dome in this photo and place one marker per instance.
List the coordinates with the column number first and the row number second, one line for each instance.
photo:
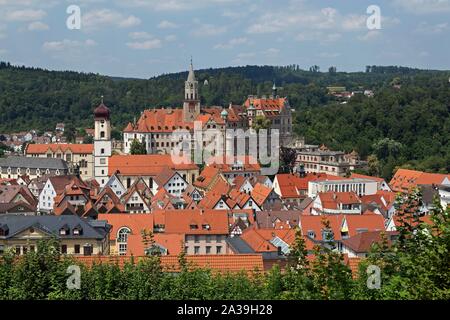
column 102, row 112
column 224, row 114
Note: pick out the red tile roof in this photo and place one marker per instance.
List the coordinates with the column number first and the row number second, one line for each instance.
column 405, row 179
column 332, row 200
column 259, row 239
column 217, row 263
column 196, row 221
column 291, row 184
column 260, row 193
column 63, row 147
column 138, row 165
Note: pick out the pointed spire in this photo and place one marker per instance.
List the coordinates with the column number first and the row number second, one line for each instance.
column 191, row 76
column 102, row 99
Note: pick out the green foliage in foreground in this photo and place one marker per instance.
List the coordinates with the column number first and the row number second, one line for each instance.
column 415, row 267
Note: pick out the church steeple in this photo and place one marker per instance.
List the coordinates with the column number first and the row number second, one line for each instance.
column 191, row 105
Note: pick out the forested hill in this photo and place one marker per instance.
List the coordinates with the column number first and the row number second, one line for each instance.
column 413, row 120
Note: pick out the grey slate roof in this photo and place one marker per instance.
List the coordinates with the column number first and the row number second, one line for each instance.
column 52, row 224
column 239, row 245
column 33, row 163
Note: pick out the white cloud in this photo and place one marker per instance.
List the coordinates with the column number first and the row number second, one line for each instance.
column 145, row 45
column 140, row 35
column 130, row 21
column 320, row 36
column 272, row 52
column 244, row 57
column 329, row 55
column 175, row 5
column 37, row 26
column 25, row 15
column 370, row 35
column 170, row 38
column 167, row 25
column 207, row 30
column 423, row 6
column 427, row 29
column 231, row 43
column 67, row 44
column 105, row 17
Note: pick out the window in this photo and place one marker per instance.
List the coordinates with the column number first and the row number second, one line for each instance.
column 196, row 239
column 208, row 249
column 219, row 249
column 196, row 250
column 24, row 249
column 218, row 238
column 102, row 151
column 18, row 250
column 122, row 240
column 102, row 161
column 87, row 250
column 63, row 249
column 76, row 249
column 102, row 134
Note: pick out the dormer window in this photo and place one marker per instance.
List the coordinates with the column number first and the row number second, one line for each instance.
column 193, row 227
column 206, row 227
column 64, row 230
column 4, row 230
column 311, row 234
column 78, row 230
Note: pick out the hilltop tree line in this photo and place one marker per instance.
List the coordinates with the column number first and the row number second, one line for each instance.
column 413, row 117
column 414, row 267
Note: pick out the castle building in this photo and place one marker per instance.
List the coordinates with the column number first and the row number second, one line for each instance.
column 155, row 127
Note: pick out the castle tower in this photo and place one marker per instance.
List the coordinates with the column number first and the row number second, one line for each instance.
column 102, row 143
column 191, row 104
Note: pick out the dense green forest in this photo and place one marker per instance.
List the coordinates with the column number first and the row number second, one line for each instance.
column 402, row 126
column 414, row 267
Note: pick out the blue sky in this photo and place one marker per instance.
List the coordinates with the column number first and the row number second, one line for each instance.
column 143, row 38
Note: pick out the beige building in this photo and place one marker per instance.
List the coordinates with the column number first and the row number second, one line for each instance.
column 76, row 155
column 76, row 236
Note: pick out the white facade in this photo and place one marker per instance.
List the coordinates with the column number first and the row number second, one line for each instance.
column 176, row 185
column 116, row 185
column 102, row 148
column 361, row 187
column 47, row 197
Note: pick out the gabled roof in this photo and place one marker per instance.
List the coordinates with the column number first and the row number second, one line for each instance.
column 291, row 184
column 362, row 242
column 405, row 179
column 272, row 219
column 260, row 193
column 260, row 239
column 145, row 165
column 206, row 221
column 332, row 200
column 63, row 148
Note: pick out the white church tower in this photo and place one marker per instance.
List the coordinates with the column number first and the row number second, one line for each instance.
column 102, row 143
column 191, row 104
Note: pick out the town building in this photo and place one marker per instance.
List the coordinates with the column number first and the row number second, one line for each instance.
column 76, row 236
column 323, row 160
column 357, row 185
column 15, row 166
column 80, row 157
